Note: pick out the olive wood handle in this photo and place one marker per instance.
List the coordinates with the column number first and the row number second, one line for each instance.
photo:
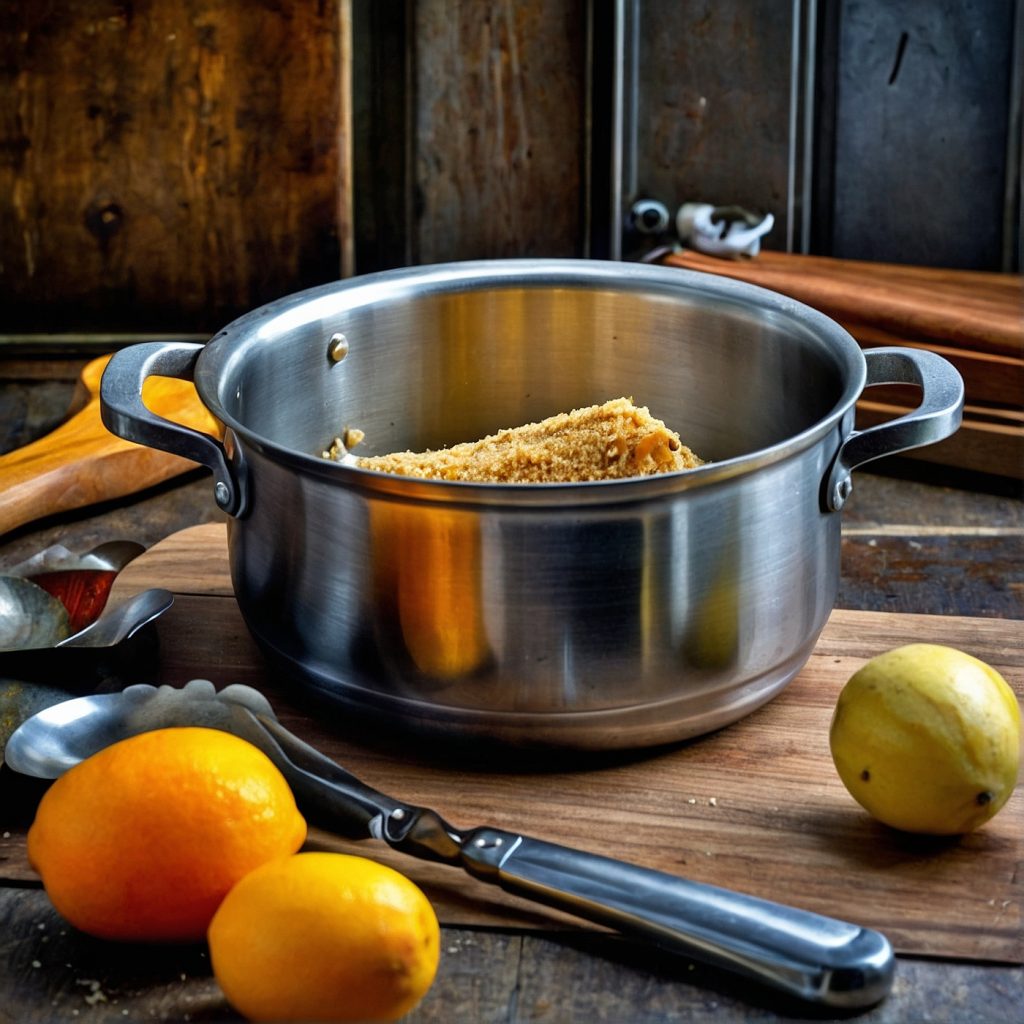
column 80, row 462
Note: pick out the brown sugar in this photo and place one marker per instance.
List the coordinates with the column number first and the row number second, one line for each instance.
column 602, row 442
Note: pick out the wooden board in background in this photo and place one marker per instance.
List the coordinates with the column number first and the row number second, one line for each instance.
column 975, row 310
column 975, row 319
column 757, row 806
column 172, row 165
column 984, row 444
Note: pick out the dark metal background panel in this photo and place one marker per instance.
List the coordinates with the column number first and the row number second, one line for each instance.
column 713, row 113
column 498, row 133
column 922, row 107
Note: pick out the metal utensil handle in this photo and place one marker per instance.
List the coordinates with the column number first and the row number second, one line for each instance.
column 938, row 415
column 124, row 413
column 816, row 958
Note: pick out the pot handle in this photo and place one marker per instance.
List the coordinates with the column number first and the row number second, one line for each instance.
column 938, row 415
column 124, row 413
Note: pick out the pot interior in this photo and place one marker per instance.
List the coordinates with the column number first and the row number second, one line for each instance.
column 433, row 361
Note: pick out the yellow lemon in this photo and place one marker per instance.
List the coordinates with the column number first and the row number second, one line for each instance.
column 324, row 937
column 927, row 739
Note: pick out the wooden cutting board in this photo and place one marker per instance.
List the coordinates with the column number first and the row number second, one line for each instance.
column 756, row 807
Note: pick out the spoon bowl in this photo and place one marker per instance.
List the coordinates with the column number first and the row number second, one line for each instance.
column 30, row 617
column 112, row 649
column 59, row 737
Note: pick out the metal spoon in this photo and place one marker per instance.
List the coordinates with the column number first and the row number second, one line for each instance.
column 29, row 616
column 124, row 621
column 112, row 555
column 816, row 958
column 81, row 652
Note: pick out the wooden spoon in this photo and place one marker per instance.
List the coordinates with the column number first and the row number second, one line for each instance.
column 81, row 462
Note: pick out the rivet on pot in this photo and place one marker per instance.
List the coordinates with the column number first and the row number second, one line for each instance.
column 337, row 348
column 843, row 490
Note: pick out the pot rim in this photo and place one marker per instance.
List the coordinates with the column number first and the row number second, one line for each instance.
column 219, row 359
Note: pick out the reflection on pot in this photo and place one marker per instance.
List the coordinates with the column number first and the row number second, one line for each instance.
column 428, row 588
column 712, row 636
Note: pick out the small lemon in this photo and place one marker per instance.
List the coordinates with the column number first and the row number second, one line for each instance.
column 324, row 937
column 927, row 739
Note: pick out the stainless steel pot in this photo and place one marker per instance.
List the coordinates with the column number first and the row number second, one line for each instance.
column 602, row 615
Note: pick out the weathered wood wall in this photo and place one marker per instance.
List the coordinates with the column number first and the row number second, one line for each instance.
column 167, row 165
column 499, row 136
column 470, row 121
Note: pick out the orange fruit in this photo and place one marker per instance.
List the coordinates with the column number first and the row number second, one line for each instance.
column 325, row 937
column 144, row 839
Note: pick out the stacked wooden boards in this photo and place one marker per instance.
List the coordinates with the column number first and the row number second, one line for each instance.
column 974, row 319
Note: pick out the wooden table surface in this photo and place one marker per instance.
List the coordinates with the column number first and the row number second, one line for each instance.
column 915, row 539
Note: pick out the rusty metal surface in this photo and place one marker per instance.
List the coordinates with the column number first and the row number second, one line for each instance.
column 713, row 105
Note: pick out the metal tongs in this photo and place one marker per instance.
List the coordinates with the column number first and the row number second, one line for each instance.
column 816, row 958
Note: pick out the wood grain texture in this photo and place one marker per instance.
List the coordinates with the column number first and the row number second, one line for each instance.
column 989, row 379
column 948, row 571
column 54, row 973
column 81, row 463
column 974, row 319
column 498, row 138
column 170, row 165
column 757, row 806
column 982, row 442
column 972, row 309
column 713, row 106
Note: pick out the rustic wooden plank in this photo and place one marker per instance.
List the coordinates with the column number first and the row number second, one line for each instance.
column 498, row 132
column 950, row 307
column 987, row 378
column 979, row 445
column 171, row 165
column 50, row 971
column 898, row 495
column 615, row 982
column 756, row 807
column 942, row 574
column 713, row 106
